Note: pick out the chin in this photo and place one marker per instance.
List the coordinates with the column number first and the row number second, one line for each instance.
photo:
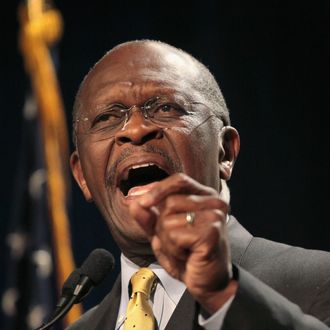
column 136, row 246
column 131, row 234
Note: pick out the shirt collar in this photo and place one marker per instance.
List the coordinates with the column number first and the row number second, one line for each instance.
column 173, row 287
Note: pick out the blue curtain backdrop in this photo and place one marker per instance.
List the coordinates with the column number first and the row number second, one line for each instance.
column 271, row 62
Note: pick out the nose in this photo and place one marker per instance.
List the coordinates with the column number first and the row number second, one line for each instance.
column 138, row 130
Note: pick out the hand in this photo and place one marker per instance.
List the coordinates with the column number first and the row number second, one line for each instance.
column 196, row 254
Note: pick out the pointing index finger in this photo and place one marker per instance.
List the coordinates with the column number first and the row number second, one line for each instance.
column 178, row 183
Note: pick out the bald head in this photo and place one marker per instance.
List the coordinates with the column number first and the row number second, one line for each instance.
column 155, row 59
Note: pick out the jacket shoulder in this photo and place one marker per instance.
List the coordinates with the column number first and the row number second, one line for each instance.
column 79, row 324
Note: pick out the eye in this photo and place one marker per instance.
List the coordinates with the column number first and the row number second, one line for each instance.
column 103, row 117
column 169, row 110
column 110, row 117
column 165, row 109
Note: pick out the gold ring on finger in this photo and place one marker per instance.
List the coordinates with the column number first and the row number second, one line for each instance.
column 190, row 218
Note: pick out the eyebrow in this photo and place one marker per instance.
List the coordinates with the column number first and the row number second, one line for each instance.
column 175, row 96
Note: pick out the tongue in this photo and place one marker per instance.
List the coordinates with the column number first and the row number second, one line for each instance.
column 140, row 190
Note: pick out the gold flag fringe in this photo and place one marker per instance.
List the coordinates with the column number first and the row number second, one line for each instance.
column 41, row 27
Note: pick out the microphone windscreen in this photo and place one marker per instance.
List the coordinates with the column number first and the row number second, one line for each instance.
column 97, row 265
column 71, row 282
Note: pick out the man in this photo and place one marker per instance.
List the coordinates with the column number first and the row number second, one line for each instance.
column 154, row 150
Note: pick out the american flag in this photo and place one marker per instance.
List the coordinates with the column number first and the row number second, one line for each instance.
column 30, row 293
column 39, row 256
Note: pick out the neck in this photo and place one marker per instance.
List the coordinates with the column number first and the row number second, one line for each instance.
column 142, row 261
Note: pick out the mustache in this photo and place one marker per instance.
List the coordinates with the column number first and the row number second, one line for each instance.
column 110, row 178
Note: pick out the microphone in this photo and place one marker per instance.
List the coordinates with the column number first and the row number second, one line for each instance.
column 80, row 282
column 67, row 290
column 95, row 268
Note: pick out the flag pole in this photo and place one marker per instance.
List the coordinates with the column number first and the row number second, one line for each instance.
column 41, row 28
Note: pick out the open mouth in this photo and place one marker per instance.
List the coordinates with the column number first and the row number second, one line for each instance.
column 141, row 175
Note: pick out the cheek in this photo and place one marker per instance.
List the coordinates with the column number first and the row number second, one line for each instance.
column 197, row 151
column 94, row 161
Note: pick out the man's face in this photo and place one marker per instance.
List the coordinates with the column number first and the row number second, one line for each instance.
column 115, row 168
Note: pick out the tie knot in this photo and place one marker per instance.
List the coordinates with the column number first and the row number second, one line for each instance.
column 142, row 281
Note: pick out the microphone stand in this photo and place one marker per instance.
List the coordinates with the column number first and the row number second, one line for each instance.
column 61, row 314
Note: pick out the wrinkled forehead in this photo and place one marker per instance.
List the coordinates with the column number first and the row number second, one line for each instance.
column 135, row 70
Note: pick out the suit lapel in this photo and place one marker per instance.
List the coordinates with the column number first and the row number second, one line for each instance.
column 105, row 316
column 185, row 315
column 239, row 239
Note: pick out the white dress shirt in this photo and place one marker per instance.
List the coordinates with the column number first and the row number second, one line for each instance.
column 164, row 299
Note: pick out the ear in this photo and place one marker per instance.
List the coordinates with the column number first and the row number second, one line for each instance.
column 77, row 172
column 229, row 144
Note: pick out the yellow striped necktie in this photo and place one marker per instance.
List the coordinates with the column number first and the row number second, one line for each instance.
column 139, row 315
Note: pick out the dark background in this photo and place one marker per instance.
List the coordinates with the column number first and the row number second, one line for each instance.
column 272, row 63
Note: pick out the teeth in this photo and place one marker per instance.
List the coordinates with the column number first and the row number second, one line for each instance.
column 142, row 165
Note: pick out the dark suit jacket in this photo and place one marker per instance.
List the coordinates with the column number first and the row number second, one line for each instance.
column 280, row 286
